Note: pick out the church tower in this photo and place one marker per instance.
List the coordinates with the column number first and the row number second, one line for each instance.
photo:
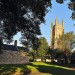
column 56, row 31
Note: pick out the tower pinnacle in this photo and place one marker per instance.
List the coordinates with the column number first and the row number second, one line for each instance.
column 56, row 21
column 63, row 23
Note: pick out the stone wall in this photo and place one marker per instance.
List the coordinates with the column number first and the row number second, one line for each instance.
column 12, row 57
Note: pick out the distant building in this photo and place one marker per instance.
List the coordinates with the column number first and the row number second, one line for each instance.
column 56, row 31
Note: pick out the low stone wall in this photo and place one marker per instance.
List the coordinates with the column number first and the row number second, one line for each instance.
column 12, row 57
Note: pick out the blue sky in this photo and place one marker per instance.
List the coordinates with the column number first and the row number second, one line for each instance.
column 59, row 11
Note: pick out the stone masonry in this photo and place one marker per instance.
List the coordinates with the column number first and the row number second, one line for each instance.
column 12, row 57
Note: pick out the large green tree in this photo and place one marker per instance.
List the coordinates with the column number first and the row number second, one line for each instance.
column 41, row 51
column 51, row 54
column 32, row 55
column 43, row 48
column 66, row 44
column 23, row 16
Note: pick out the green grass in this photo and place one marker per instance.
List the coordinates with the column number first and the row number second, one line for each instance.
column 37, row 68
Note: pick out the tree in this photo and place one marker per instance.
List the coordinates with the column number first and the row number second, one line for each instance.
column 32, row 55
column 66, row 41
column 23, row 16
column 65, row 44
column 43, row 48
column 71, row 6
column 51, row 53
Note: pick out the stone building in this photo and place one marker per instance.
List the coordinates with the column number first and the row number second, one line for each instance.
column 56, row 31
column 11, row 55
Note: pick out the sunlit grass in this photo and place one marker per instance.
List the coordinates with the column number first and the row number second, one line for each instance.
column 36, row 68
column 45, row 64
column 50, row 69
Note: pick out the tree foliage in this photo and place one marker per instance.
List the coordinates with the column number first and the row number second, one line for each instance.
column 65, row 43
column 71, row 6
column 23, row 16
column 43, row 48
column 60, row 1
column 31, row 55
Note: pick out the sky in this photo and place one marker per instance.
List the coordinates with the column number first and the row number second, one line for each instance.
column 59, row 11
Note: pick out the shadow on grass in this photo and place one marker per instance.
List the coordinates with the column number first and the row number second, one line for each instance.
column 9, row 69
column 53, row 69
column 63, row 65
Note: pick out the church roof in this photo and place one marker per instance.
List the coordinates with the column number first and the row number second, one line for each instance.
column 10, row 47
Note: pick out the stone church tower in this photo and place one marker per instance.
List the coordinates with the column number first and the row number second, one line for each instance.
column 56, row 31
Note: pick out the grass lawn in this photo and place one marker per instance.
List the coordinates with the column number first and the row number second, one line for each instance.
column 37, row 68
